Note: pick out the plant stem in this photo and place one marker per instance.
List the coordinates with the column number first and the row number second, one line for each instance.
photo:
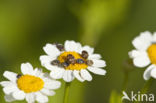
column 127, row 68
column 146, row 87
column 66, row 92
column 125, row 82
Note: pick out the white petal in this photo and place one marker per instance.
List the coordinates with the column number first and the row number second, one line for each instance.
column 10, row 76
column 137, row 53
column 141, row 61
column 88, row 49
column 98, row 71
column 6, row 83
column 141, row 58
column 51, row 84
column 30, row 98
column 50, row 67
column 94, row 56
column 146, row 35
column 57, row 73
column 26, row 68
column 41, row 98
column 9, row 98
column 147, row 73
column 68, row 76
column 99, row 63
column 154, row 37
column 46, row 59
column 47, row 92
column 9, row 89
column 143, row 41
column 19, row 95
column 77, row 75
column 153, row 72
column 72, row 46
column 37, row 72
column 51, row 50
column 133, row 53
column 86, row 75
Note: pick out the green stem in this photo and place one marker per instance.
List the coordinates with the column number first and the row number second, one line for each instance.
column 125, row 82
column 146, row 87
column 127, row 68
column 66, row 92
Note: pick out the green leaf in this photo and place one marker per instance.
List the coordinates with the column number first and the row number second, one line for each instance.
column 115, row 97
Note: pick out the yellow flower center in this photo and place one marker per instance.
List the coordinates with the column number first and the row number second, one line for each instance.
column 76, row 66
column 152, row 53
column 29, row 83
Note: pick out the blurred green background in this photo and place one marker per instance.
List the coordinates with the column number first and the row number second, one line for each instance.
column 108, row 25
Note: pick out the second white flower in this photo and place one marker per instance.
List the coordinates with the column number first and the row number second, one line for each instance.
column 72, row 60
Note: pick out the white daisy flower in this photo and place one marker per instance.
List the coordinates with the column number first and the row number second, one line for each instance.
column 144, row 53
column 72, row 60
column 33, row 85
